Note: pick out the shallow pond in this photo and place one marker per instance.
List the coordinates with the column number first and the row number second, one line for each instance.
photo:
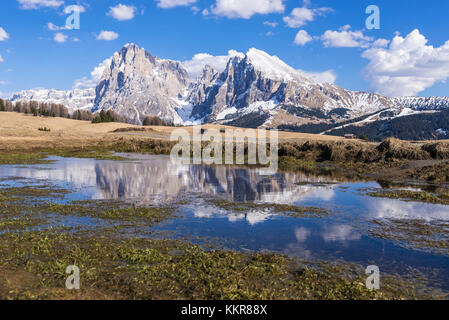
column 343, row 234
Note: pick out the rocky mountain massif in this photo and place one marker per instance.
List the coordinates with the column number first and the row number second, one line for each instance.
column 254, row 90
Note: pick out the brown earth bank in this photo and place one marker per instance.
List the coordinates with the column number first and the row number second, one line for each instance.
column 392, row 159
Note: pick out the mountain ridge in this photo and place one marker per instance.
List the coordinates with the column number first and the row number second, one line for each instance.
column 137, row 84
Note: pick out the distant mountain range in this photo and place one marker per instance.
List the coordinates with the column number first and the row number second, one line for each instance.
column 254, row 90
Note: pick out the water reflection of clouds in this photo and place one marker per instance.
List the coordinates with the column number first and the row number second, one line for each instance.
column 299, row 193
column 301, row 234
column 395, row 209
column 252, row 217
column 340, row 233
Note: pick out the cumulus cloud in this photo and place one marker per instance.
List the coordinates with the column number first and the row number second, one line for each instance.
column 345, row 38
column 60, row 37
column 381, row 43
column 408, row 66
column 302, row 38
column 3, row 34
column 107, row 35
column 299, row 17
column 36, row 4
column 246, row 8
column 321, row 77
column 271, row 24
column 174, row 3
column 52, row 27
column 200, row 60
column 95, row 76
column 122, row 12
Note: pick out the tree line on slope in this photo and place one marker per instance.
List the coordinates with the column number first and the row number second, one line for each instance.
column 35, row 108
column 45, row 109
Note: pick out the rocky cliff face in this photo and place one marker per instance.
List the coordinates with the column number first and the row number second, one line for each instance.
column 263, row 82
column 137, row 84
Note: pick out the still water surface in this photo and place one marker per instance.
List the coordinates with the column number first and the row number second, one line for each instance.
column 342, row 235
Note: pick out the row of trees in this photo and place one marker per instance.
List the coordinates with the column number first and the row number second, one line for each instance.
column 35, row 108
column 155, row 121
column 58, row 110
column 108, row 116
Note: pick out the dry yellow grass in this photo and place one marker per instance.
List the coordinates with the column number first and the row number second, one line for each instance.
column 20, row 131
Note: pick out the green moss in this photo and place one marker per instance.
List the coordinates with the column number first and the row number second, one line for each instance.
column 289, row 210
column 295, row 164
column 33, row 192
column 420, row 196
column 89, row 153
column 169, row 269
column 23, row 158
column 414, row 233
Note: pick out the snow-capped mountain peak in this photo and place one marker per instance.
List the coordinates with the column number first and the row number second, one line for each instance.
column 272, row 67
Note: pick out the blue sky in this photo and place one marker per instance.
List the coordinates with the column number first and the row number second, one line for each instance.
column 333, row 40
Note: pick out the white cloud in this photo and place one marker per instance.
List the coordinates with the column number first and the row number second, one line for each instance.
column 408, row 66
column 299, row 17
column 95, row 76
column 1, row 59
column 60, row 37
column 197, row 63
column 122, row 12
column 174, row 3
column 246, row 8
column 2, row 83
column 271, row 24
column 107, row 35
column 52, row 27
column 3, row 34
column 345, row 38
column 195, row 9
column 302, row 38
column 381, row 43
column 36, row 4
column 321, row 77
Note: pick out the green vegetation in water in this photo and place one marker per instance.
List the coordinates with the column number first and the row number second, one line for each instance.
column 416, row 234
column 89, row 153
column 33, row 192
column 113, row 265
column 420, row 196
column 170, row 269
column 112, row 210
column 23, row 158
column 295, row 164
column 286, row 209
